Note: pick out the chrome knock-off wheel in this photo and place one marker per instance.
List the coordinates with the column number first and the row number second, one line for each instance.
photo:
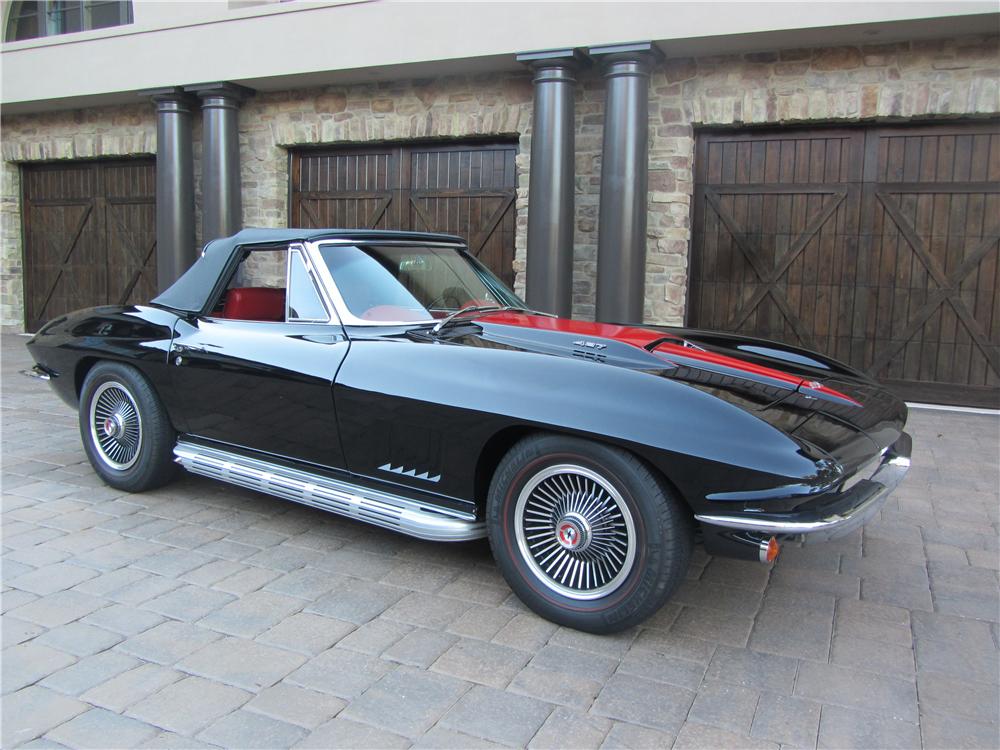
column 586, row 534
column 575, row 532
column 115, row 425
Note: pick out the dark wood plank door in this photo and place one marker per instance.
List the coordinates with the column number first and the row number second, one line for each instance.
column 89, row 236
column 349, row 189
column 466, row 189
column 934, row 210
column 878, row 246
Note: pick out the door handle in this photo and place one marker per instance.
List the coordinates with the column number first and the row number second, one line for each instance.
column 181, row 349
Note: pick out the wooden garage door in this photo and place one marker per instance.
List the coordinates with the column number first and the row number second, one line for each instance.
column 878, row 246
column 89, row 236
column 465, row 189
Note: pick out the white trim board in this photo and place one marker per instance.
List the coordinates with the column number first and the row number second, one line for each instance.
column 960, row 409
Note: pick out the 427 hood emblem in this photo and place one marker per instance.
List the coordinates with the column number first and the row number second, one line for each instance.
column 590, row 344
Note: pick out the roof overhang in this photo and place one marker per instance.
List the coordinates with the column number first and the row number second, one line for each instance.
column 315, row 44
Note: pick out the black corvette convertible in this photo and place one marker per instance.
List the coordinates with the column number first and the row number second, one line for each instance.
column 391, row 378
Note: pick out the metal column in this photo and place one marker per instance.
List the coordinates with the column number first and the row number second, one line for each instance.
column 621, row 244
column 176, row 249
column 222, row 204
column 551, row 183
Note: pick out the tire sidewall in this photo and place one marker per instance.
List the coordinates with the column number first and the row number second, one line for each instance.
column 152, row 467
column 627, row 603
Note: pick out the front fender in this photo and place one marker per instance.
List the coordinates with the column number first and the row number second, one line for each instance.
column 790, row 358
column 701, row 443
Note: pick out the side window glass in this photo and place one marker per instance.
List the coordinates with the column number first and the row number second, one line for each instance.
column 256, row 289
column 304, row 302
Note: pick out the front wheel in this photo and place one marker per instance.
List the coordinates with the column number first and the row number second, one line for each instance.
column 125, row 429
column 585, row 534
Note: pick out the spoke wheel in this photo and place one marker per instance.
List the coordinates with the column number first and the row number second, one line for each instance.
column 585, row 533
column 575, row 532
column 115, row 425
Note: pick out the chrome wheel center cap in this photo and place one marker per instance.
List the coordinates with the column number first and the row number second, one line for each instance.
column 114, row 427
column 573, row 532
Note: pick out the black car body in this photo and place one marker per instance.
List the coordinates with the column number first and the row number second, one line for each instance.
column 406, row 422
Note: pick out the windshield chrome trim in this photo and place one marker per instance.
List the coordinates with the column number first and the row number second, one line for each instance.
column 315, row 269
column 326, row 280
column 416, row 243
column 293, row 250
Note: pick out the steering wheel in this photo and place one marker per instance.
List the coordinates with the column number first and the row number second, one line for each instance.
column 453, row 297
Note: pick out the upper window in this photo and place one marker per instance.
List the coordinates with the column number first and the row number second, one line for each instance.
column 272, row 284
column 32, row 19
column 410, row 283
column 256, row 289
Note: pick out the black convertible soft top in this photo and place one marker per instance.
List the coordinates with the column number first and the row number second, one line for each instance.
column 193, row 291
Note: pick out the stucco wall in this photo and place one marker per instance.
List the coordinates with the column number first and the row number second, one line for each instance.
column 898, row 82
column 174, row 42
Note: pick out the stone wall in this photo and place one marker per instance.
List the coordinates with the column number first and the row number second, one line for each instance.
column 880, row 82
column 435, row 109
column 78, row 134
column 11, row 262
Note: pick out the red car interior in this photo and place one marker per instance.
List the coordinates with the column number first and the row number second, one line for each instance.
column 255, row 303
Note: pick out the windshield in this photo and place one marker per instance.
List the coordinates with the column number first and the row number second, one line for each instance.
column 409, row 283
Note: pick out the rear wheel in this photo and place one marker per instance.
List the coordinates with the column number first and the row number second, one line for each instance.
column 585, row 534
column 126, row 433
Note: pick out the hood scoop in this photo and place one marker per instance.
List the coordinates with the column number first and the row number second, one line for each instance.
column 563, row 344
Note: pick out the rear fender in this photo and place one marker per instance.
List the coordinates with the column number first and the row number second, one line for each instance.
column 139, row 336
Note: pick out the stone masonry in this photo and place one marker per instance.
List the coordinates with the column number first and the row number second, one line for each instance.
column 76, row 134
column 879, row 82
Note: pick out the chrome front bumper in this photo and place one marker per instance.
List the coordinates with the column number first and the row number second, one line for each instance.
column 851, row 510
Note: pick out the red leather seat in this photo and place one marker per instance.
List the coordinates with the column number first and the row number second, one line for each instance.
column 255, row 303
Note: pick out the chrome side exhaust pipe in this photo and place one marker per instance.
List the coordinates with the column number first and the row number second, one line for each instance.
column 38, row 373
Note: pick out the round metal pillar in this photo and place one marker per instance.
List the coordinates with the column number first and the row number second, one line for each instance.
column 222, row 204
column 176, row 248
column 621, row 245
column 551, row 183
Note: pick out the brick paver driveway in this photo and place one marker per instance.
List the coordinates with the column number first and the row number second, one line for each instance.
column 203, row 615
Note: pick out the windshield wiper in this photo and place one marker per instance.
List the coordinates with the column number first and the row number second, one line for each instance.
column 484, row 308
column 462, row 311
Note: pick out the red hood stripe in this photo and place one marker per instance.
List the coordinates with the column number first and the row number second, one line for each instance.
column 644, row 337
column 641, row 337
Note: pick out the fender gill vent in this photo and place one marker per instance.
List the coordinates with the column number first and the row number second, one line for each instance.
column 590, row 354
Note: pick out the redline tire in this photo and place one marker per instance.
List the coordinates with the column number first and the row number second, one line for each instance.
column 586, row 534
column 125, row 430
